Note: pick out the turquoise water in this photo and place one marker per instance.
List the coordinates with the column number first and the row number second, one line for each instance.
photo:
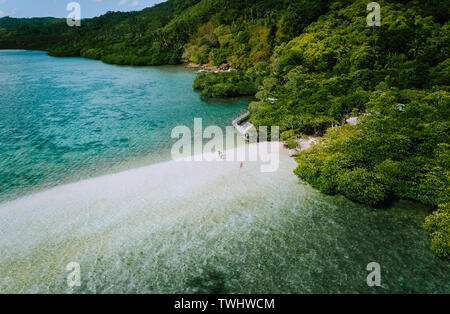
column 65, row 119
column 172, row 227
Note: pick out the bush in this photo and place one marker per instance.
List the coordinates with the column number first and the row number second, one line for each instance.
column 94, row 53
column 437, row 225
column 309, row 168
column 292, row 143
column 225, row 84
column 362, row 186
column 64, row 51
column 286, row 135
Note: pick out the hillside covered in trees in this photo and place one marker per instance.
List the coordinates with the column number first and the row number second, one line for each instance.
column 310, row 65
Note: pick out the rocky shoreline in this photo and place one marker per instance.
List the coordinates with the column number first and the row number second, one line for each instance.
column 225, row 67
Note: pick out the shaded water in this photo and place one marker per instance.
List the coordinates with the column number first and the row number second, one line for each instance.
column 177, row 227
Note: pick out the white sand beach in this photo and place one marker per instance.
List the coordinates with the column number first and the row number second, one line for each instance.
column 41, row 233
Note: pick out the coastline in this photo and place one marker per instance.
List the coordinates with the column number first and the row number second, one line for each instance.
column 138, row 171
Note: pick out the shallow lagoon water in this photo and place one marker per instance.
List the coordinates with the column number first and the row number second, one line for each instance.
column 177, row 227
column 67, row 119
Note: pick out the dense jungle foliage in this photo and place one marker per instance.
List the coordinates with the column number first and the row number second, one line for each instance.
column 310, row 65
